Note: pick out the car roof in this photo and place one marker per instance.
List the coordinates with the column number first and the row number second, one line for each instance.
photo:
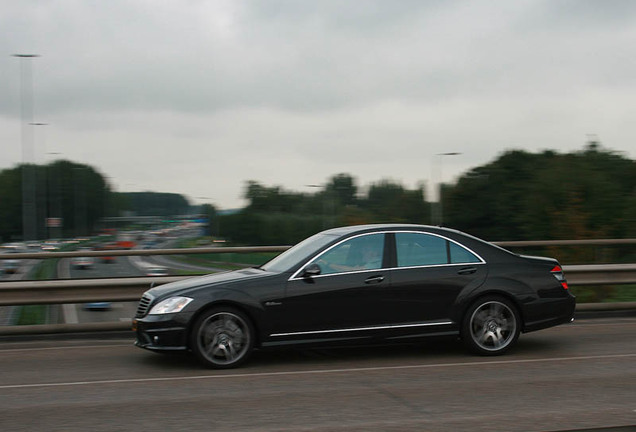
column 465, row 238
column 386, row 227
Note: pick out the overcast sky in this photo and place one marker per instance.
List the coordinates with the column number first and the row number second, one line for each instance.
column 197, row 97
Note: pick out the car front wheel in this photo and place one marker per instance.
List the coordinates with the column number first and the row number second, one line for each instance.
column 222, row 338
column 491, row 326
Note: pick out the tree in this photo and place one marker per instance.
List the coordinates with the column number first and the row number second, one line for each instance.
column 342, row 188
column 524, row 196
column 388, row 201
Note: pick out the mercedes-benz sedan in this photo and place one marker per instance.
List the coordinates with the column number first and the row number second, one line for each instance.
column 360, row 284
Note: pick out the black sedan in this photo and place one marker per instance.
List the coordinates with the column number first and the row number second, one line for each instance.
column 360, row 284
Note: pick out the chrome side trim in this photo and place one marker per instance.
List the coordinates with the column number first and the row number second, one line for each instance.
column 384, row 327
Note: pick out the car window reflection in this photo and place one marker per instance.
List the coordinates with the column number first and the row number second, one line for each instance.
column 359, row 253
column 460, row 255
column 416, row 249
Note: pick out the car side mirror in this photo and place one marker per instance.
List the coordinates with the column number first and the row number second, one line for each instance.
column 312, row 269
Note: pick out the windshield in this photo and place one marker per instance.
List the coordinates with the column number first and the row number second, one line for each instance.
column 300, row 252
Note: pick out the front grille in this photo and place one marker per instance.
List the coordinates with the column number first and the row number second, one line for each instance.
column 144, row 304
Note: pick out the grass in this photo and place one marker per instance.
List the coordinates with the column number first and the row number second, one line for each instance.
column 46, row 269
column 222, row 260
column 37, row 314
column 32, row 314
column 604, row 294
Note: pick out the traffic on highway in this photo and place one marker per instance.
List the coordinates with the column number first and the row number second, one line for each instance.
column 88, row 267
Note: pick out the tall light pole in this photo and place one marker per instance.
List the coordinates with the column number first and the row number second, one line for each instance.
column 29, row 214
column 41, row 190
column 437, row 212
column 55, row 220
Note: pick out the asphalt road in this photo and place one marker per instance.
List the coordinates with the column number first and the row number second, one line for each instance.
column 122, row 266
column 576, row 376
column 117, row 311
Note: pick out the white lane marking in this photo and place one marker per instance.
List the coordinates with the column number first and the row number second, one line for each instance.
column 65, row 347
column 312, row 372
column 70, row 314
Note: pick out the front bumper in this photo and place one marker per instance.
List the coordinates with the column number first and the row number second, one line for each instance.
column 162, row 332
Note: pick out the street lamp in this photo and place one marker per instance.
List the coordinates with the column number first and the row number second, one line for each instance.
column 29, row 216
column 437, row 216
column 41, row 193
column 55, row 219
column 35, row 152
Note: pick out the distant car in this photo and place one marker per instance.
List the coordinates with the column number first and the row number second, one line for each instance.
column 50, row 246
column 97, row 306
column 360, row 284
column 150, row 244
column 157, row 271
column 82, row 263
column 107, row 259
column 10, row 266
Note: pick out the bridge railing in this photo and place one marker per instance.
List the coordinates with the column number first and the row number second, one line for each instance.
column 70, row 291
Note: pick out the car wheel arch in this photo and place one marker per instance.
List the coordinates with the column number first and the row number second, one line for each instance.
column 466, row 305
column 506, row 302
column 223, row 304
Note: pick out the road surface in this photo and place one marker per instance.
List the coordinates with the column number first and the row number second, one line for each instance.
column 576, row 376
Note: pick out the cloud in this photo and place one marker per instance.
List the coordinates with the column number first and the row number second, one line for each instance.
column 197, row 97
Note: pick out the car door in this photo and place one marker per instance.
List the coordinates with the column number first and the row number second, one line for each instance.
column 430, row 273
column 349, row 294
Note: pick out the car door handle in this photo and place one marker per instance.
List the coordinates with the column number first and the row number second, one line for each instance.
column 467, row 271
column 374, row 279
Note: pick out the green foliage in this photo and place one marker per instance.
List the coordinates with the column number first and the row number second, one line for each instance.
column 73, row 192
column 10, row 203
column 32, row 315
column 590, row 193
column 275, row 216
column 154, row 203
column 389, row 202
column 520, row 196
column 78, row 195
column 525, row 196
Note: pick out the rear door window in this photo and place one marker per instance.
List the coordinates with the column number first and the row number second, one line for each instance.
column 420, row 249
column 417, row 249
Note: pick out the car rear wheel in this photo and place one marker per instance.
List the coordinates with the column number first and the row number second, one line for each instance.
column 491, row 326
column 222, row 338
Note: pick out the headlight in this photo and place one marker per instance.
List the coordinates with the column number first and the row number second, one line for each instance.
column 170, row 305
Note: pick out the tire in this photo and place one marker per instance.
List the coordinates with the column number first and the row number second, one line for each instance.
column 222, row 338
column 491, row 326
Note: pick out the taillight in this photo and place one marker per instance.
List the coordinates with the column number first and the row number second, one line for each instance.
column 557, row 272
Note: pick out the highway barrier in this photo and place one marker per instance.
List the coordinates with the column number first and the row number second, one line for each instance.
column 70, row 291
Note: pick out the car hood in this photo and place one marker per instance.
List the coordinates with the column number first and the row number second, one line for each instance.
column 218, row 279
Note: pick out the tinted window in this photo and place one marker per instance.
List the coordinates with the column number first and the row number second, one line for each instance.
column 359, row 253
column 300, row 252
column 460, row 255
column 415, row 249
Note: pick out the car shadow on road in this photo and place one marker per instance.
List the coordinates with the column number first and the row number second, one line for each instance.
column 429, row 351
column 332, row 357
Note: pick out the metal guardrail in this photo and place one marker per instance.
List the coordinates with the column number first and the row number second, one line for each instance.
column 142, row 252
column 545, row 243
column 252, row 249
column 68, row 291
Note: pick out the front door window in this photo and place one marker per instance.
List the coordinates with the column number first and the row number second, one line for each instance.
column 359, row 253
